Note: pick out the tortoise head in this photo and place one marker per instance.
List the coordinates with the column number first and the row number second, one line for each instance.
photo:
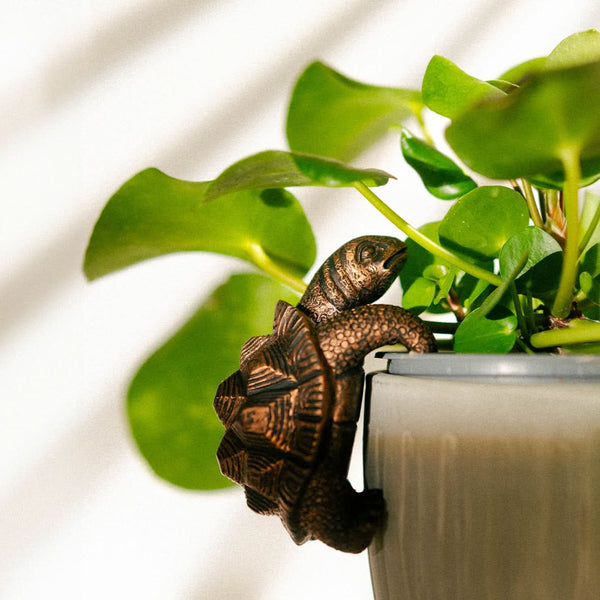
column 372, row 263
column 357, row 273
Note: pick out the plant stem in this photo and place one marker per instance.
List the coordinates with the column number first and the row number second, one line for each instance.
column 534, row 213
column 423, row 240
column 492, row 300
column 554, row 219
column 564, row 296
column 530, row 313
column 541, row 194
column 524, row 346
column 578, row 332
column 260, row 258
column 523, row 326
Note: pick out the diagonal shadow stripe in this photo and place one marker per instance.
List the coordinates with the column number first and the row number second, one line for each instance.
column 42, row 276
column 26, row 292
column 59, row 259
column 42, row 500
column 119, row 39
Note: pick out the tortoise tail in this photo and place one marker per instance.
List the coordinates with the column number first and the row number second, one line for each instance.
column 348, row 337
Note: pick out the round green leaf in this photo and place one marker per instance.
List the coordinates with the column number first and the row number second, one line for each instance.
column 448, row 90
column 332, row 115
column 419, row 295
column 592, row 312
column 590, row 220
column 555, row 180
column 435, row 272
column 544, row 260
column 590, row 287
column 169, row 403
column 442, row 177
column 422, row 263
column 505, row 86
column 528, row 132
column 154, row 214
column 419, row 259
column 279, row 169
column 486, row 335
column 577, row 49
column 472, row 292
column 445, row 284
column 523, row 70
column 590, row 261
column 481, row 222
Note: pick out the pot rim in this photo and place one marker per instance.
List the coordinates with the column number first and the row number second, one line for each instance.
column 497, row 367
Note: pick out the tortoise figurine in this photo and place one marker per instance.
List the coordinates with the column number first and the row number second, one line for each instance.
column 290, row 411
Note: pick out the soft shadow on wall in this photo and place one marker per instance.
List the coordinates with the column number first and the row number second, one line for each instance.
column 79, row 473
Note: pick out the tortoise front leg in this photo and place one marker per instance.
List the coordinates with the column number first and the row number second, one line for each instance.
column 331, row 509
column 348, row 337
column 348, row 396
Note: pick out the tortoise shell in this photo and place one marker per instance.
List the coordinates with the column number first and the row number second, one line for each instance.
column 290, row 411
column 275, row 409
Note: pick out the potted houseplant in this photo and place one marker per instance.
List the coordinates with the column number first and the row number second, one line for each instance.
column 513, row 267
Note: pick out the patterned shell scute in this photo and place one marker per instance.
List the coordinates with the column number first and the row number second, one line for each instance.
column 275, row 410
column 288, row 389
column 233, row 458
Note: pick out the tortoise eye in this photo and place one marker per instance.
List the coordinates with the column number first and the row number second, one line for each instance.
column 366, row 252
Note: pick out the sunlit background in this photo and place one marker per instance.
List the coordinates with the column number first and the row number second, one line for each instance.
column 91, row 93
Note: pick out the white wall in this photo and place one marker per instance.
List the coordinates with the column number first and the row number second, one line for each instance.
column 92, row 92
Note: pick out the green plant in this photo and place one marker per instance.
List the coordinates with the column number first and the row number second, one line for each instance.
column 515, row 265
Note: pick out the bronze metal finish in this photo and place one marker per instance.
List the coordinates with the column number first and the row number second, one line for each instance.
column 290, row 411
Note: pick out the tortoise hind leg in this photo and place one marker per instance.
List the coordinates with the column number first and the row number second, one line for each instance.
column 333, row 511
column 341, row 517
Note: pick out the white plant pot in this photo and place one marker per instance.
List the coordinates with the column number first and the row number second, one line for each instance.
column 490, row 467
